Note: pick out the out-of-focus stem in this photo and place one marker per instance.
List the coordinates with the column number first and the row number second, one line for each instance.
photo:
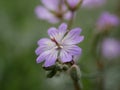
column 100, row 78
column 118, row 8
column 97, row 55
column 75, row 74
column 76, row 85
column 70, row 23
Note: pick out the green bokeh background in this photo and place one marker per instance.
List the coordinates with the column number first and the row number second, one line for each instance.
column 19, row 32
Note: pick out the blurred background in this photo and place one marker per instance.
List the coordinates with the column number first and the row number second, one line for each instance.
column 19, row 32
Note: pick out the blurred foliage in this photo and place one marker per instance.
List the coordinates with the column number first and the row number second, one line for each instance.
column 19, row 31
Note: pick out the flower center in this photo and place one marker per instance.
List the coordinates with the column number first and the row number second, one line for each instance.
column 58, row 46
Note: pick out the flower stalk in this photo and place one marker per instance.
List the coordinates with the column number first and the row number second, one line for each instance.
column 75, row 75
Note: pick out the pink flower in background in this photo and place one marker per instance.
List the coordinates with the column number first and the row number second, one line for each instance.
column 52, row 11
column 92, row 3
column 61, row 46
column 110, row 48
column 73, row 4
column 107, row 21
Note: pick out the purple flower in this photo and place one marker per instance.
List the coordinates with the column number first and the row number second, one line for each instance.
column 107, row 21
column 52, row 11
column 61, row 46
column 73, row 4
column 110, row 48
column 92, row 3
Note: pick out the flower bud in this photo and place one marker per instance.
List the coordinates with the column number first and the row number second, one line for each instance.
column 74, row 72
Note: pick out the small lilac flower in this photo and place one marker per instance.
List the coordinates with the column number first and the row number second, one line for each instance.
column 92, row 3
column 52, row 11
column 107, row 21
column 61, row 45
column 73, row 4
column 110, row 48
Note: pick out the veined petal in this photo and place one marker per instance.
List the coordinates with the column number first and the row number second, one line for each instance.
column 73, row 49
column 51, row 4
column 62, row 27
column 42, row 56
column 52, row 32
column 73, row 37
column 46, row 43
column 61, row 31
column 39, row 50
column 65, row 57
column 57, row 34
column 73, row 33
column 51, row 58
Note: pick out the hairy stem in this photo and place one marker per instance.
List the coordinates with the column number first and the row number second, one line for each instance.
column 100, row 78
column 76, row 85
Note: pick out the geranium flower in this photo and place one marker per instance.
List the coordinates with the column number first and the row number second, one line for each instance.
column 61, row 46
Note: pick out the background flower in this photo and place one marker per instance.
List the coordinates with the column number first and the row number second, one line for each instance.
column 73, row 4
column 110, row 48
column 92, row 3
column 52, row 11
column 106, row 21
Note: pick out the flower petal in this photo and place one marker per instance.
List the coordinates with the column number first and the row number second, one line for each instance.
column 74, row 32
column 67, row 15
column 65, row 57
column 42, row 13
column 73, row 49
column 52, row 32
column 51, row 4
column 45, row 14
column 51, row 58
column 39, row 50
column 73, row 37
column 42, row 56
column 73, row 3
column 61, row 31
column 45, row 42
column 63, row 27
column 57, row 34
